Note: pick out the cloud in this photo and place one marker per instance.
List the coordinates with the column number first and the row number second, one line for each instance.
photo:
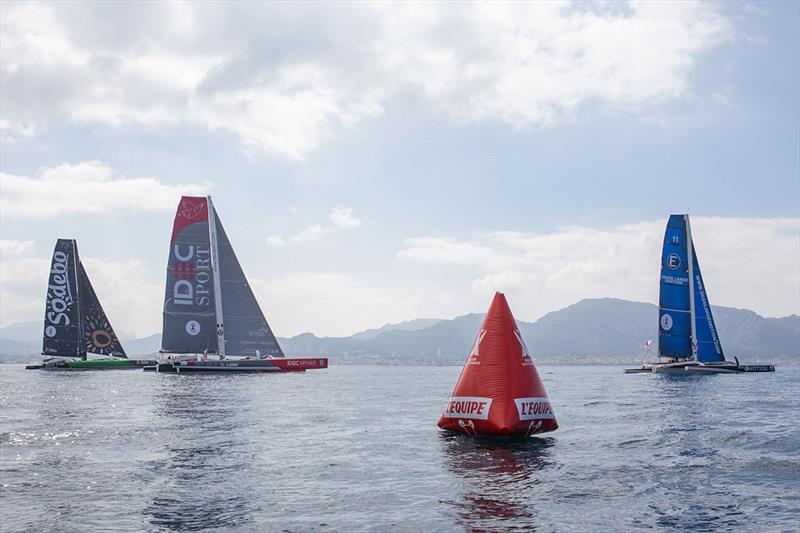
column 326, row 67
column 86, row 187
column 752, row 263
column 12, row 248
column 127, row 288
column 341, row 217
column 335, row 304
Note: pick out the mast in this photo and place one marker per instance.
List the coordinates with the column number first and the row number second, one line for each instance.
column 77, row 260
column 212, row 233
column 690, row 256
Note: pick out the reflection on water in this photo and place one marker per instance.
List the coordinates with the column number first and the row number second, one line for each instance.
column 686, row 439
column 199, row 477
column 498, row 477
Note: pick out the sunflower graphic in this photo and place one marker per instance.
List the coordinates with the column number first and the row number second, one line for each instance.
column 98, row 337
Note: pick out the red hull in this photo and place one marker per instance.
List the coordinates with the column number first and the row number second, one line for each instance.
column 283, row 364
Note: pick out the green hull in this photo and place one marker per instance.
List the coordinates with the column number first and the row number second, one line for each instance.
column 101, row 364
column 94, row 364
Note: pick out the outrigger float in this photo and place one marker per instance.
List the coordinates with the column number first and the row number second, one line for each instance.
column 77, row 333
column 687, row 337
column 212, row 322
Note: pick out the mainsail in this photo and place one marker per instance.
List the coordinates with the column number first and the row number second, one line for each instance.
column 189, row 322
column 63, row 336
column 674, row 304
column 209, row 304
column 74, row 321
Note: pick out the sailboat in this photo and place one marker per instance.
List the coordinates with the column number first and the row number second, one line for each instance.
column 687, row 336
column 77, row 333
column 212, row 321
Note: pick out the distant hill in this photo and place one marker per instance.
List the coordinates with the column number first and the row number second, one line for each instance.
column 592, row 331
column 408, row 325
column 604, row 330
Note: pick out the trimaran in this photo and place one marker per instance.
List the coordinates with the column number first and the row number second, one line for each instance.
column 687, row 336
column 212, row 321
column 77, row 333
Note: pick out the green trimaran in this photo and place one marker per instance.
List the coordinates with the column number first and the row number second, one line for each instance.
column 77, row 332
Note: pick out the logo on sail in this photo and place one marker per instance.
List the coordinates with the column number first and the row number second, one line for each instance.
column 59, row 296
column 673, row 261
column 190, row 210
column 666, row 322
column 191, row 270
column 193, row 327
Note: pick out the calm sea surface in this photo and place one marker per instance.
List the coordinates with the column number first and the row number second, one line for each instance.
column 357, row 449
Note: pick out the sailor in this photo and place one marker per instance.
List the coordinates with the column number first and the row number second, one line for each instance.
column 258, row 354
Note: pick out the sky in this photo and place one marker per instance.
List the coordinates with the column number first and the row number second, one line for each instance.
column 379, row 162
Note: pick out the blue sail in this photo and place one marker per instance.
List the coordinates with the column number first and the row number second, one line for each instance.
column 709, row 348
column 675, row 330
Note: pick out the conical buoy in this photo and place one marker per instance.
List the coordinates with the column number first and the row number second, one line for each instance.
column 499, row 391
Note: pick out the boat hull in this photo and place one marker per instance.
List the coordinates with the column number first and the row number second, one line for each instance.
column 93, row 364
column 693, row 367
column 248, row 366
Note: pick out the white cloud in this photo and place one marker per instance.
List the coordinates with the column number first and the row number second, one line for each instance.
column 86, row 187
column 341, row 216
column 752, row 263
column 130, row 291
column 343, row 219
column 12, row 248
column 334, row 304
column 324, row 67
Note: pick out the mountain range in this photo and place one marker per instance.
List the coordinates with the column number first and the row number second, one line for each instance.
column 592, row 331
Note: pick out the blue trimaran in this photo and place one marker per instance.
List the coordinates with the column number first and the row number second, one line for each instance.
column 687, row 337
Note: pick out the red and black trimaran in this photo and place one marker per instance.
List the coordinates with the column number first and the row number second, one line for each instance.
column 212, row 320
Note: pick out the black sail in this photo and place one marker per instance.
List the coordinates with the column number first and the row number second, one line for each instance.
column 98, row 335
column 63, row 336
column 189, row 320
column 245, row 328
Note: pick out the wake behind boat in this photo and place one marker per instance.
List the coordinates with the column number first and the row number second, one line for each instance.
column 212, row 321
column 77, row 333
column 687, row 337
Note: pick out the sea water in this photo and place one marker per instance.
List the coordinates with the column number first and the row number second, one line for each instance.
column 357, row 449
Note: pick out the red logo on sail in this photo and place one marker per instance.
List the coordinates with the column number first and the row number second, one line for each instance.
column 191, row 210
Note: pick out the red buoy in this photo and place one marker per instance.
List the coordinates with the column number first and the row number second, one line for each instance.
column 499, row 391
